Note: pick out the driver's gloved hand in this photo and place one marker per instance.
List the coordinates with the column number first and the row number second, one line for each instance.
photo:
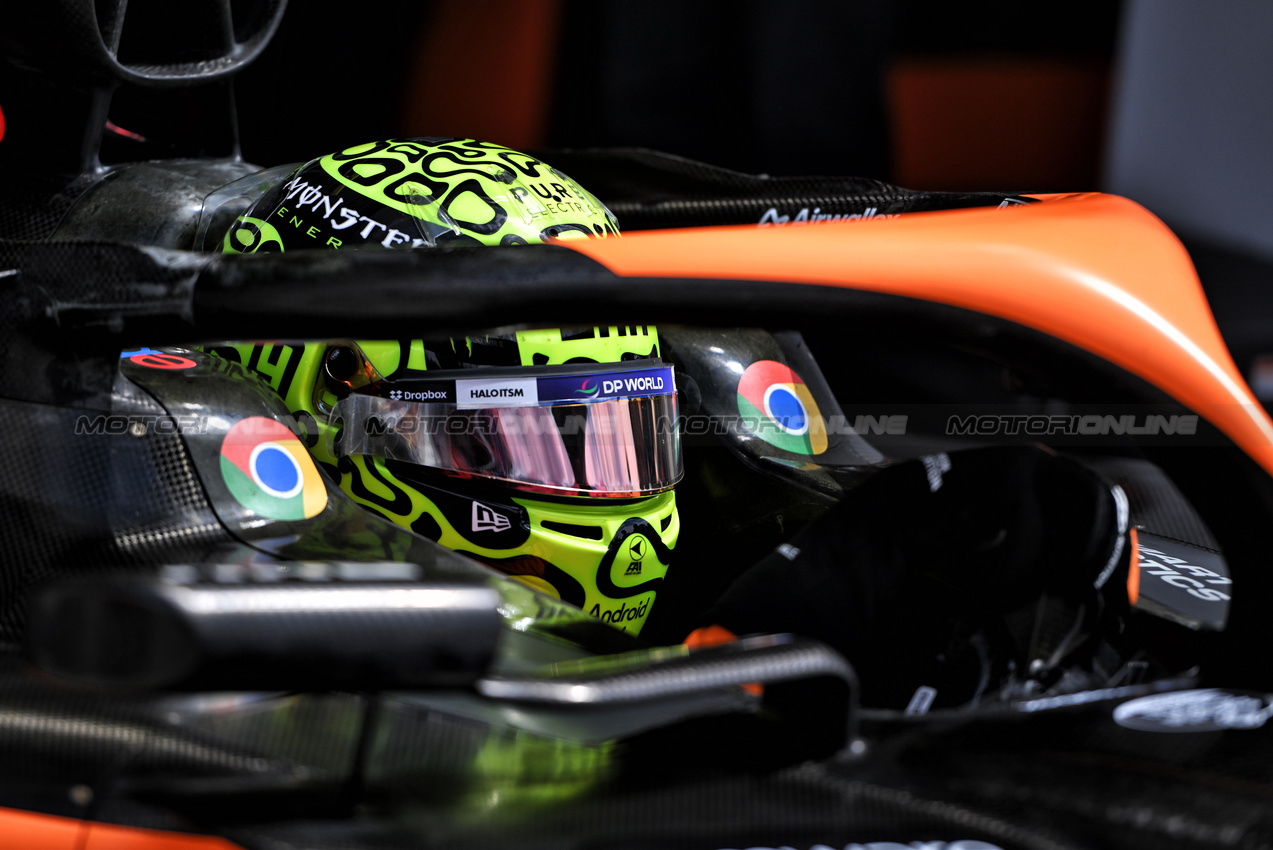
column 903, row 576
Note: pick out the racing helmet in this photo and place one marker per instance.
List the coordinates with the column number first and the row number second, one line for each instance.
column 550, row 454
column 414, row 193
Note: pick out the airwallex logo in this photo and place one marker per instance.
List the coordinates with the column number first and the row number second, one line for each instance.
column 773, row 218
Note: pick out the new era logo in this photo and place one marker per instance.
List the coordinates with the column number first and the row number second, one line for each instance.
column 485, row 519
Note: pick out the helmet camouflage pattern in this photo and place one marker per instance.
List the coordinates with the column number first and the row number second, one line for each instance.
column 419, row 192
column 607, row 553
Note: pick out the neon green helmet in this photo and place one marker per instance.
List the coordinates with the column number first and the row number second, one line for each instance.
column 548, row 454
column 419, row 192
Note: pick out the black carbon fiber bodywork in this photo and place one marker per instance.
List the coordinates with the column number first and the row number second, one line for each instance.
column 515, row 720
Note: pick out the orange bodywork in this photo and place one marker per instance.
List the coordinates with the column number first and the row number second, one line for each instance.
column 1133, row 567
column 31, row 831
column 1097, row 271
column 715, row 635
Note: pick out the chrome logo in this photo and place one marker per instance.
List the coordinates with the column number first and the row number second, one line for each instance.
column 268, row 470
column 777, row 407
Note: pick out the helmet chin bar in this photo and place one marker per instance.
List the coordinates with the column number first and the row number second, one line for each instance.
column 608, row 557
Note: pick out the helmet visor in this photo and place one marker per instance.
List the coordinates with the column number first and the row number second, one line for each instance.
column 591, row 433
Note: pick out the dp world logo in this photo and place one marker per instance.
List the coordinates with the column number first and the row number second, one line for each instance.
column 585, row 390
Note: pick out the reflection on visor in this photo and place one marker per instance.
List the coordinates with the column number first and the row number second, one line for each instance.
column 529, row 433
